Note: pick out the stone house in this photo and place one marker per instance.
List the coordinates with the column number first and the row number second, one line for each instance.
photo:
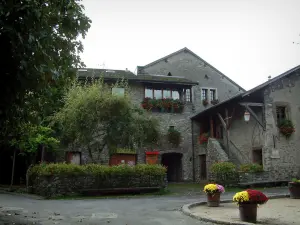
column 258, row 140
column 182, row 76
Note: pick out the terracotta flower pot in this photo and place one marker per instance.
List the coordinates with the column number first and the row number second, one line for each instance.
column 248, row 212
column 213, row 200
column 294, row 189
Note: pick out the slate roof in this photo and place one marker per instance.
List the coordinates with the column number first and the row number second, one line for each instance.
column 109, row 74
column 251, row 91
column 271, row 80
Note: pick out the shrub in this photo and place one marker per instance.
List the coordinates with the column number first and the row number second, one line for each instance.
column 295, row 180
column 64, row 169
column 251, row 168
column 224, row 173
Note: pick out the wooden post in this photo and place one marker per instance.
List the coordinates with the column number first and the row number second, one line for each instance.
column 211, row 127
column 13, row 170
column 227, row 132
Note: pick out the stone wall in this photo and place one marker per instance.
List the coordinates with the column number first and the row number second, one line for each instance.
column 55, row 186
column 281, row 155
column 215, row 153
column 254, row 177
column 187, row 64
column 244, row 136
column 180, row 121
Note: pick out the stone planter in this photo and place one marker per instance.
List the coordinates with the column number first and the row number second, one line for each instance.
column 294, row 189
column 248, row 212
column 213, row 200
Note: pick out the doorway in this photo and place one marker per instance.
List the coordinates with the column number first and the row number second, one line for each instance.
column 173, row 162
column 202, row 162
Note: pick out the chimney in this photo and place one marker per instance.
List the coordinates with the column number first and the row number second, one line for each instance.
column 269, row 77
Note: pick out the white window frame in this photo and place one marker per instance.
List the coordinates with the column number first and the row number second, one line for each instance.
column 208, row 93
column 205, row 88
column 118, row 93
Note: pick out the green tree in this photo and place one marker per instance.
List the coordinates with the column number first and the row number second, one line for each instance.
column 30, row 139
column 94, row 118
column 40, row 42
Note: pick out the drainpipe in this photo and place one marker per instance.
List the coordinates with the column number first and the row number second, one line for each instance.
column 193, row 152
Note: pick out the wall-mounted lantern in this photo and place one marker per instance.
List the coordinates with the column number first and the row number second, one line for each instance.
column 247, row 116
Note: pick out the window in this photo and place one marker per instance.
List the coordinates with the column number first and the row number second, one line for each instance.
column 175, row 95
column 167, row 93
column 204, row 94
column 212, row 94
column 148, row 93
column 118, row 91
column 257, row 156
column 162, row 93
column 158, row 94
column 73, row 157
column 188, row 95
column 281, row 113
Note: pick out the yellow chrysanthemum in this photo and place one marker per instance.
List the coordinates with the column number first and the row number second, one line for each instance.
column 242, row 196
column 210, row 188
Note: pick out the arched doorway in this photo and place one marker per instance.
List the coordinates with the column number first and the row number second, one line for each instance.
column 173, row 162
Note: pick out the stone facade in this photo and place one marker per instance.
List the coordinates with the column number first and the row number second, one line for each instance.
column 282, row 155
column 215, row 153
column 185, row 63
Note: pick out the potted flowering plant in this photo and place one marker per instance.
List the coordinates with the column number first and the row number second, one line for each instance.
column 213, row 192
column 214, row 102
column 286, row 128
column 205, row 102
column 248, row 201
column 294, row 188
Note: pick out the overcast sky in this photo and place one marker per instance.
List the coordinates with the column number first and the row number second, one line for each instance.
column 247, row 40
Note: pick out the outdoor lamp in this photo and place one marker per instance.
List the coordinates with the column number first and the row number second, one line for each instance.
column 246, row 116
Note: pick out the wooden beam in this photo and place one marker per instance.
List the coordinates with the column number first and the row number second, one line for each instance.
column 231, row 118
column 226, row 116
column 254, row 116
column 251, row 104
column 222, row 121
column 211, row 127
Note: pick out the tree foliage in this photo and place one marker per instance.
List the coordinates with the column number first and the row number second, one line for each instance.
column 31, row 137
column 40, row 42
column 95, row 118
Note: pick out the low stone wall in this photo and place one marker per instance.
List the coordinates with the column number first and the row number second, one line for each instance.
column 265, row 176
column 56, row 186
column 254, row 177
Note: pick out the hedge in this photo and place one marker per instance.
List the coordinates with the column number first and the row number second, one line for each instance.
column 52, row 180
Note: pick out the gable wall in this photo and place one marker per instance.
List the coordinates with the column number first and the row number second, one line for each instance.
column 282, row 155
column 189, row 66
